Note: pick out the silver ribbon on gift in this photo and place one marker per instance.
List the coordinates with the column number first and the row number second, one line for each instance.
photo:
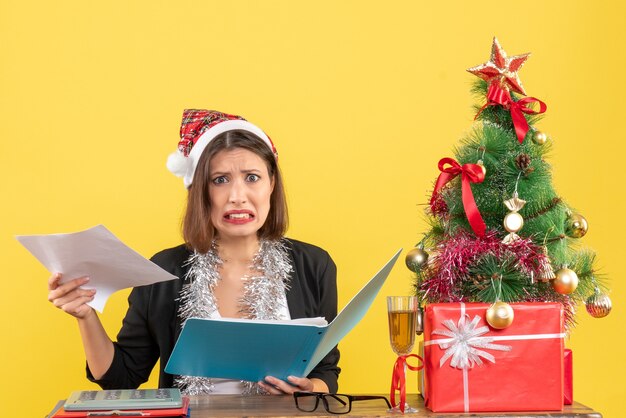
column 465, row 346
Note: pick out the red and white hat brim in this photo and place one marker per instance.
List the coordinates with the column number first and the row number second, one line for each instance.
column 185, row 167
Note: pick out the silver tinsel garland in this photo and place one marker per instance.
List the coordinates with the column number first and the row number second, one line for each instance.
column 263, row 297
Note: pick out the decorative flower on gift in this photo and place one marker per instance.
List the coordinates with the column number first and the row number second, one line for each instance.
column 466, row 346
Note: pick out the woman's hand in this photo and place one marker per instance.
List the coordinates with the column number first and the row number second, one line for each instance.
column 275, row 386
column 69, row 297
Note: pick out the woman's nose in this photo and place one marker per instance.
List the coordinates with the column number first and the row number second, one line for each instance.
column 237, row 193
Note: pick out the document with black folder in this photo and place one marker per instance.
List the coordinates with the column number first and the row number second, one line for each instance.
column 251, row 349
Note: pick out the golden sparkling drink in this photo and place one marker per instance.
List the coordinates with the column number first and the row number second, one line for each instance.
column 402, row 330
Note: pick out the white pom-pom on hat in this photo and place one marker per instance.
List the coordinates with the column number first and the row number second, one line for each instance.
column 178, row 164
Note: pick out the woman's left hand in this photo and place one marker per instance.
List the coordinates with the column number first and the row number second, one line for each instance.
column 275, row 386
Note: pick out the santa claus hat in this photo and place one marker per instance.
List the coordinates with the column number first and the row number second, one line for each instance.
column 199, row 127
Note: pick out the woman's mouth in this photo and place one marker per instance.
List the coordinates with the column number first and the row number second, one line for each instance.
column 238, row 217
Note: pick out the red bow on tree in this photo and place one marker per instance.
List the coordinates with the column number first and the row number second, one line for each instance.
column 470, row 173
column 496, row 95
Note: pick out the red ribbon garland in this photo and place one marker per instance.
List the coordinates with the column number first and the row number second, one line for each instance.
column 398, row 379
column 496, row 95
column 470, row 173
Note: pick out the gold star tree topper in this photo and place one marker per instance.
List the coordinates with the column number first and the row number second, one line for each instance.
column 502, row 69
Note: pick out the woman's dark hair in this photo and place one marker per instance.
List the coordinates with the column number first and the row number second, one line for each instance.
column 198, row 231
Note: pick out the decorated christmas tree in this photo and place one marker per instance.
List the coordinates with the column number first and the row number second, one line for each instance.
column 499, row 231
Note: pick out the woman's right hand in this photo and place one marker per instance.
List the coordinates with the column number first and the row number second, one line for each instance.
column 69, row 297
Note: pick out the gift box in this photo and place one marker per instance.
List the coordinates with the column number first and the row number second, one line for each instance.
column 472, row 367
column 568, row 377
column 420, row 372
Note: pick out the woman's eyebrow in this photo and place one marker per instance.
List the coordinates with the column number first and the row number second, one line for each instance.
column 244, row 171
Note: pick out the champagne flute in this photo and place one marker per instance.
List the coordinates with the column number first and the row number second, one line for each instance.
column 402, row 313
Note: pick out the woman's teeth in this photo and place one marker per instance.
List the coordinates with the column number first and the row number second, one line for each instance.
column 239, row 216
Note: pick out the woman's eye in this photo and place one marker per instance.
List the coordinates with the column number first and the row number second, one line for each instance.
column 220, row 180
column 252, row 178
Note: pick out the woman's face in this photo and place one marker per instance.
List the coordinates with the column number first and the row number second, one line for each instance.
column 239, row 188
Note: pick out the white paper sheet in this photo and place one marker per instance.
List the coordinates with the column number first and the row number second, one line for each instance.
column 98, row 254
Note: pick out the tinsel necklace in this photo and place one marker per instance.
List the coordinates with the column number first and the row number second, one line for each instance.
column 263, row 297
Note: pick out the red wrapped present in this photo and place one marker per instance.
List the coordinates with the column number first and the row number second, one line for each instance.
column 420, row 373
column 471, row 367
column 568, row 378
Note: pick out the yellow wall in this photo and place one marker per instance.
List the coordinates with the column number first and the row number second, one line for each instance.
column 362, row 100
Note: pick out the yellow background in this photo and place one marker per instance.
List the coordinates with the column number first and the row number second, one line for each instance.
column 361, row 98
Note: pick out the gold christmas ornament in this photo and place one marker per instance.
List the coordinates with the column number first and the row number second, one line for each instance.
column 565, row 282
column 540, row 138
column 598, row 305
column 500, row 315
column 576, row 226
column 546, row 272
column 513, row 221
column 482, row 166
column 416, row 258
